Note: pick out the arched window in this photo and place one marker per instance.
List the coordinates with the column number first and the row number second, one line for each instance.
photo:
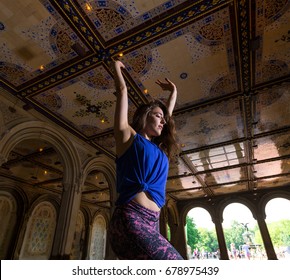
column 98, row 239
column 8, row 221
column 39, row 233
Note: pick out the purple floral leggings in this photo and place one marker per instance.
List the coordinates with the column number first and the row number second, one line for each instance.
column 134, row 235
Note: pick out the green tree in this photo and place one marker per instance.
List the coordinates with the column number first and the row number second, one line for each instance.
column 193, row 235
column 207, row 240
column 279, row 232
column 234, row 234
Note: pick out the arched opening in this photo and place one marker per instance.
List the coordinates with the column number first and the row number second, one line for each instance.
column 201, row 235
column 278, row 223
column 240, row 229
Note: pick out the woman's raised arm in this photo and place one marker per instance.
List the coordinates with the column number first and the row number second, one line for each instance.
column 173, row 94
column 122, row 129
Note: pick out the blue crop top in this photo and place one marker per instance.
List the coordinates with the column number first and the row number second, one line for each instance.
column 143, row 167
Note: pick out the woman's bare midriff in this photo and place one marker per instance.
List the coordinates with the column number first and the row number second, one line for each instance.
column 143, row 199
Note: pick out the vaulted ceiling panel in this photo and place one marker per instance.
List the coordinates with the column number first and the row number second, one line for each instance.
column 228, row 58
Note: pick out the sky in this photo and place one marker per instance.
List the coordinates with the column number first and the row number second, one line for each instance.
column 276, row 209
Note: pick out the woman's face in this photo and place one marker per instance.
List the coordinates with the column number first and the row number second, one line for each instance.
column 154, row 123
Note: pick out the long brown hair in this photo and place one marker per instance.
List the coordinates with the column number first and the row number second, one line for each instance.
column 167, row 140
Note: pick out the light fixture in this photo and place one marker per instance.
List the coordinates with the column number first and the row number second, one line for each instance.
column 88, row 7
column 183, row 75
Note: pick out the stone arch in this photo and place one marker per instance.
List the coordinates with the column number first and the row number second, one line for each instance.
column 8, row 217
column 172, row 212
column 44, row 198
column 106, row 166
column 224, row 203
column 267, row 197
column 193, row 205
column 43, row 131
column 17, row 192
column 13, row 190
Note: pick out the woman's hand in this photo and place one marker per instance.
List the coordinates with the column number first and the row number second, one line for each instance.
column 119, row 64
column 166, row 86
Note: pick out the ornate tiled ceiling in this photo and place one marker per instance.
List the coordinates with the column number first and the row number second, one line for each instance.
column 229, row 60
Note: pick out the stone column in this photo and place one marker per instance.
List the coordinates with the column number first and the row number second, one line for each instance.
column 266, row 238
column 66, row 224
column 109, row 254
column 221, row 239
column 163, row 222
column 178, row 239
column 22, row 221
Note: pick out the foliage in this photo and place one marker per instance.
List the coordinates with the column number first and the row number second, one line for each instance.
column 208, row 241
column 279, row 233
column 201, row 238
column 204, row 239
column 234, row 234
column 168, row 232
column 193, row 235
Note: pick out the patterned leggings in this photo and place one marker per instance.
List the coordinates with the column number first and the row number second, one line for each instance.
column 134, row 235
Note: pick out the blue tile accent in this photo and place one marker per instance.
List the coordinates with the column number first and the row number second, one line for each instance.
column 158, row 43
column 49, row 8
column 53, row 32
column 179, row 33
column 2, row 26
column 54, row 48
column 146, row 16
column 168, row 5
column 97, row 23
column 183, row 75
column 208, row 19
column 102, row 3
column 198, row 38
column 122, row 11
column 119, row 30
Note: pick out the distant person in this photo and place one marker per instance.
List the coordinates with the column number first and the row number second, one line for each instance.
column 233, row 251
column 247, row 252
